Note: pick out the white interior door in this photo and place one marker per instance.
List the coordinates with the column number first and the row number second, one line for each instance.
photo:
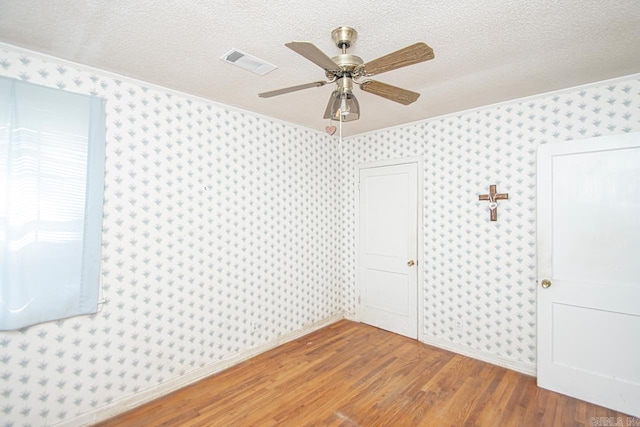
column 589, row 251
column 388, row 222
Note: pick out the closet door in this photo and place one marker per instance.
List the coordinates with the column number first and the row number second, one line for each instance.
column 589, row 270
column 388, row 221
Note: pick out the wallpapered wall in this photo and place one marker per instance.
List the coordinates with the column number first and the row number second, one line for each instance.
column 479, row 272
column 213, row 219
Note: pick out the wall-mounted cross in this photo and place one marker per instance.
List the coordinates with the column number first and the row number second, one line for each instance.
column 492, row 197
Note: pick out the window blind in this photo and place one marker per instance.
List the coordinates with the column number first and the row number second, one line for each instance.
column 52, row 155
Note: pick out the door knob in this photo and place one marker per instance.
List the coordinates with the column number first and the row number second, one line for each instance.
column 546, row 283
column 411, row 263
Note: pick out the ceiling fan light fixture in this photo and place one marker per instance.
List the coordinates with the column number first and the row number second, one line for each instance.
column 344, row 107
column 342, row 103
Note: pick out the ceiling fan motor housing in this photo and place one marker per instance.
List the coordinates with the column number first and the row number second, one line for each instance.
column 344, row 37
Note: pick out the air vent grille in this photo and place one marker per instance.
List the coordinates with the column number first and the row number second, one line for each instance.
column 248, row 62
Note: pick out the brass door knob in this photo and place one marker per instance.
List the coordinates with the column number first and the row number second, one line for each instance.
column 546, row 283
column 411, row 263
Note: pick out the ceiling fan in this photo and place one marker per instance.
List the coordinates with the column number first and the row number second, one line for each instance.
column 346, row 69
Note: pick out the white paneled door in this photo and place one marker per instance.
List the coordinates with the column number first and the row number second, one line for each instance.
column 387, row 245
column 589, row 270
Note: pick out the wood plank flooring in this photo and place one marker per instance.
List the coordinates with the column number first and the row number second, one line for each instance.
column 351, row 374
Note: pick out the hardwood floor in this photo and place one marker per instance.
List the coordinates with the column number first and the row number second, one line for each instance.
column 351, row 374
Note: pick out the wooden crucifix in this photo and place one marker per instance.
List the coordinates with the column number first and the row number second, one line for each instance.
column 492, row 197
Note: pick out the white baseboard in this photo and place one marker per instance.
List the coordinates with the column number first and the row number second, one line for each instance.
column 514, row 365
column 522, row 367
column 352, row 316
column 145, row 396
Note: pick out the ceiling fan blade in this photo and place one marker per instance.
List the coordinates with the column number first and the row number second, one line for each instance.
column 290, row 89
column 403, row 96
column 313, row 54
column 409, row 55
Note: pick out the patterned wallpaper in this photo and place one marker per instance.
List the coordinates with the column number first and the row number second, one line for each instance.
column 213, row 219
column 477, row 272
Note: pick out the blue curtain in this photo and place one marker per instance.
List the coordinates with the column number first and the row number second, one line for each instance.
column 52, row 146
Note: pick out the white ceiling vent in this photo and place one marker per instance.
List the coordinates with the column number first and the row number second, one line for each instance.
column 248, row 62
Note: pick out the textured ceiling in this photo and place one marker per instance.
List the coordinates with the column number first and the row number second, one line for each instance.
column 486, row 51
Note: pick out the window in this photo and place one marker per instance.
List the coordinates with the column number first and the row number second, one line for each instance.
column 51, row 194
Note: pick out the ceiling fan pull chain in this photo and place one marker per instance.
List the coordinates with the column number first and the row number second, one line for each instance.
column 340, row 140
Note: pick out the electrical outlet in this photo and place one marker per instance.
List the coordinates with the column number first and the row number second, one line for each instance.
column 458, row 325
